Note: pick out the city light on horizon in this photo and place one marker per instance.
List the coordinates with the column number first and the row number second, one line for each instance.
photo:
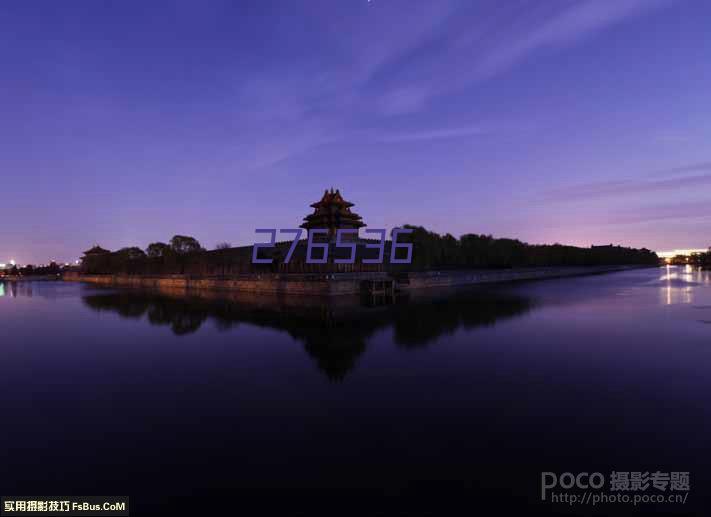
column 674, row 253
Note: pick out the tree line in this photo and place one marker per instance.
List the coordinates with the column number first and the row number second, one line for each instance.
column 185, row 255
column 170, row 256
column 702, row 260
column 435, row 251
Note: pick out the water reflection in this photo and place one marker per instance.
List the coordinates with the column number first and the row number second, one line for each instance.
column 677, row 284
column 10, row 289
column 473, row 393
column 334, row 332
column 45, row 289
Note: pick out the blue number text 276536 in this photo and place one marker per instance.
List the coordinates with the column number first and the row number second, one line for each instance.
column 340, row 242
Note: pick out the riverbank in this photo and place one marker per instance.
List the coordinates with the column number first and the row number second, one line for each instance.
column 340, row 283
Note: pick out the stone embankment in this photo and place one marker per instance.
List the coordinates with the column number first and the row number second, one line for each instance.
column 339, row 283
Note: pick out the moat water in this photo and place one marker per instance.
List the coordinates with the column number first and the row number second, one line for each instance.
column 458, row 398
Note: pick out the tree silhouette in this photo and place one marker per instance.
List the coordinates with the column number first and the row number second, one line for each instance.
column 158, row 249
column 183, row 244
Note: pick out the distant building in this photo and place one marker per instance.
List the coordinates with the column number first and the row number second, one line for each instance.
column 95, row 259
column 96, row 250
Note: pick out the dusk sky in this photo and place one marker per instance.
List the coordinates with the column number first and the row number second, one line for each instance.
column 581, row 122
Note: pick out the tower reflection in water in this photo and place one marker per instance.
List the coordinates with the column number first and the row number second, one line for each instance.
column 334, row 332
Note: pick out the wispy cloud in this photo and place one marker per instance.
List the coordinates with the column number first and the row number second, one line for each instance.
column 454, row 55
column 688, row 210
column 395, row 58
column 431, row 134
column 694, row 167
column 625, row 187
column 579, row 21
column 403, row 100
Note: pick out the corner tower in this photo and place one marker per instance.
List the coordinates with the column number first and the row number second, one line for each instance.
column 332, row 212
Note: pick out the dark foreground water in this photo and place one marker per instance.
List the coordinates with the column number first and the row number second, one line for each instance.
column 431, row 404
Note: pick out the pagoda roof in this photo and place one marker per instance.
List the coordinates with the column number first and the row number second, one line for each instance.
column 331, row 198
column 96, row 250
column 332, row 212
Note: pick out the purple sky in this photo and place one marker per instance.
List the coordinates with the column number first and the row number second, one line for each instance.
column 123, row 123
